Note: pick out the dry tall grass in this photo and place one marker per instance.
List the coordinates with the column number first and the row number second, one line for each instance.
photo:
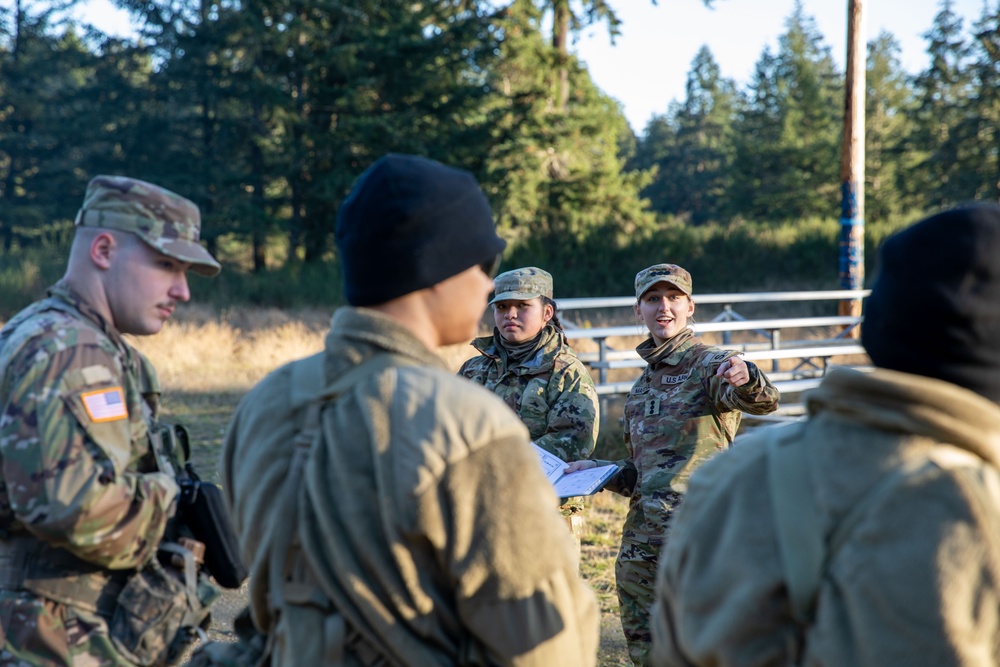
column 229, row 352
column 233, row 350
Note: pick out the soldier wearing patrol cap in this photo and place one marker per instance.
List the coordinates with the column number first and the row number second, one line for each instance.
column 83, row 507
column 869, row 533
column 529, row 364
column 684, row 408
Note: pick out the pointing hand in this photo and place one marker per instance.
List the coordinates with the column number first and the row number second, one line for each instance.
column 734, row 371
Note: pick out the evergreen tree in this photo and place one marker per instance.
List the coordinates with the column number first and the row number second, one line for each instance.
column 758, row 159
column 788, row 137
column 276, row 107
column 569, row 17
column 695, row 162
column 209, row 107
column 393, row 76
column 941, row 119
column 112, row 109
column 42, row 123
column 983, row 135
column 888, row 108
column 561, row 194
column 655, row 151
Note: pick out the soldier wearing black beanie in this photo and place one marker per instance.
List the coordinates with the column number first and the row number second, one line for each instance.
column 935, row 307
column 409, row 223
column 412, row 507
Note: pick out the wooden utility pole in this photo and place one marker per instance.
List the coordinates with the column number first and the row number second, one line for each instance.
column 852, row 164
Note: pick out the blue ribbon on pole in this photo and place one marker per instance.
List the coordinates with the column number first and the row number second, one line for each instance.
column 852, row 238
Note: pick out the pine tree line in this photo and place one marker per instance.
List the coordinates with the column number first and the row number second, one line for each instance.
column 772, row 151
column 265, row 111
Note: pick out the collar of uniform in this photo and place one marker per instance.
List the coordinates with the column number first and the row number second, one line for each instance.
column 486, row 346
column 915, row 404
column 356, row 328
column 541, row 361
column 670, row 352
column 543, row 358
column 64, row 294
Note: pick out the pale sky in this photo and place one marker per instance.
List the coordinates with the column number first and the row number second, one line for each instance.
column 648, row 65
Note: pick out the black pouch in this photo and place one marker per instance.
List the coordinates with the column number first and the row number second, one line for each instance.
column 203, row 511
column 147, row 626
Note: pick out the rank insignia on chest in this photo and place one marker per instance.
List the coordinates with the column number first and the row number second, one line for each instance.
column 105, row 405
column 652, row 406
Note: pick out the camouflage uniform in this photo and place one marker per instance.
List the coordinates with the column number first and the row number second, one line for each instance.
column 678, row 414
column 550, row 389
column 81, row 505
column 551, row 392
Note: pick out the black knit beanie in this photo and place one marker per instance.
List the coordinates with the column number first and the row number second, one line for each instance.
column 934, row 309
column 410, row 223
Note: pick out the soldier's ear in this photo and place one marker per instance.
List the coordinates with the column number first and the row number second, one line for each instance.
column 547, row 311
column 102, row 250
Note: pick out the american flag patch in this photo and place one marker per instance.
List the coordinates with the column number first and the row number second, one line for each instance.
column 105, row 405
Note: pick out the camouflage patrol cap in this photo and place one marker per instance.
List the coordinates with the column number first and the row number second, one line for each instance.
column 522, row 284
column 166, row 221
column 662, row 273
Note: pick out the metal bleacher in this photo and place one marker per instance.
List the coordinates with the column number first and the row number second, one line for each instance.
column 794, row 351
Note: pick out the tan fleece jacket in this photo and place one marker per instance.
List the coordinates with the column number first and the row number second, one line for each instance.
column 425, row 511
column 917, row 581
